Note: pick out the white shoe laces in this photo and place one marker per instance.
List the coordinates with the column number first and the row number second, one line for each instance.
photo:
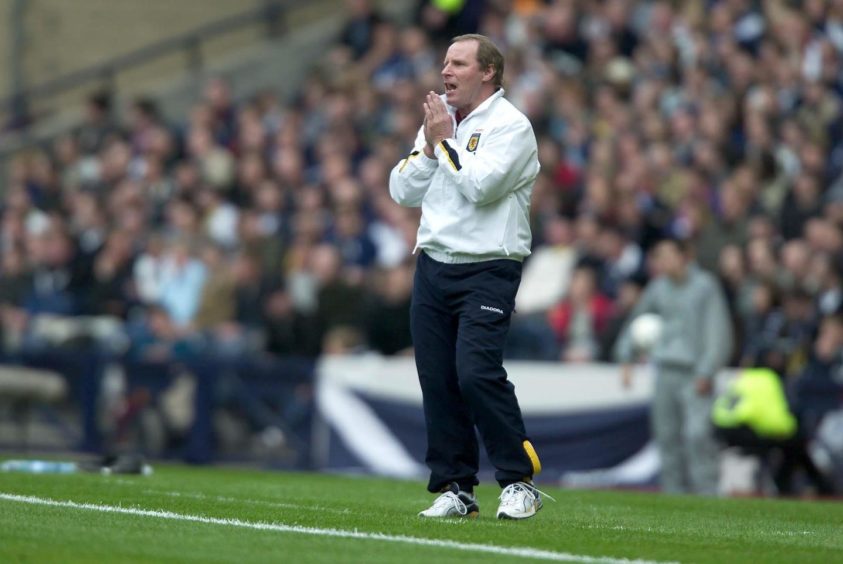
column 448, row 501
column 511, row 494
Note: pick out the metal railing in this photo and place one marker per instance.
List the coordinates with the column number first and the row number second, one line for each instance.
column 271, row 13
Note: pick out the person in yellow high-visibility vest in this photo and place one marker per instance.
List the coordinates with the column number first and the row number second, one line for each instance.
column 753, row 413
column 757, row 401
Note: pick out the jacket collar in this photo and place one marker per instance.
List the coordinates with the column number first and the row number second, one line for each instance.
column 481, row 108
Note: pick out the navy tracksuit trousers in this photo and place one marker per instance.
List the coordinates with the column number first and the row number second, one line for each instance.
column 460, row 317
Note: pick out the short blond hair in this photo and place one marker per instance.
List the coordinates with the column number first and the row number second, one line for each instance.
column 488, row 54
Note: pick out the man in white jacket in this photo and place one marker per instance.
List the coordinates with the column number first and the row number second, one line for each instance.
column 472, row 171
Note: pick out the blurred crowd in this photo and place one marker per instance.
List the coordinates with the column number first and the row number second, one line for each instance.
column 266, row 225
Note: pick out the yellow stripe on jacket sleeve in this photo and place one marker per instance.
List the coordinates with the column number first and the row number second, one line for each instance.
column 407, row 160
column 453, row 156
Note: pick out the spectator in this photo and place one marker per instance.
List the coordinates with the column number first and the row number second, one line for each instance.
column 255, row 237
column 250, row 289
column 58, row 280
column 793, row 337
column 818, row 389
column 222, row 114
column 219, row 218
column 826, row 275
column 546, row 280
column 340, row 303
column 15, row 284
column 233, row 299
column 801, row 204
column 359, row 30
column 444, row 20
column 87, row 221
column 730, row 228
column 354, row 243
column 733, row 280
column 215, row 162
column 110, row 291
column 761, row 322
column 629, row 293
column 217, row 303
column 621, row 259
column 289, row 331
column 580, row 319
column 15, row 278
column 154, row 337
column 548, row 270
column 795, row 258
column 148, row 271
column 144, row 121
column 388, row 314
column 182, row 279
column 97, row 127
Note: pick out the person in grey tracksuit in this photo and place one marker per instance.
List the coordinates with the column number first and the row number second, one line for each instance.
column 695, row 343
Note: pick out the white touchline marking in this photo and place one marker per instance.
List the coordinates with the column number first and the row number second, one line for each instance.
column 523, row 552
column 244, row 501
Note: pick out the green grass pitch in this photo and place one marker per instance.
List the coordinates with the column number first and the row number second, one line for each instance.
column 185, row 514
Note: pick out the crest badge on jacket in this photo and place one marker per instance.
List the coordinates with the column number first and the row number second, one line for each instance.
column 472, row 142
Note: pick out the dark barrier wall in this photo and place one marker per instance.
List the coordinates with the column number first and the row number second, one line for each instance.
column 266, row 390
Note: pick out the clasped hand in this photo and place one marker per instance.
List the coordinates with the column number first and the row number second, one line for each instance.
column 437, row 122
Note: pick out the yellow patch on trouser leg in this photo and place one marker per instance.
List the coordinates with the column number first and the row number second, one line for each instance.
column 534, row 458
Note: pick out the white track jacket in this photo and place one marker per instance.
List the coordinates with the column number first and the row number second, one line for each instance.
column 475, row 196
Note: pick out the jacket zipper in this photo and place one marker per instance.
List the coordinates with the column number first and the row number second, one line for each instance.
column 506, row 225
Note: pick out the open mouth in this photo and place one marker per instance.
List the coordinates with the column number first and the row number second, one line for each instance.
column 450, row 87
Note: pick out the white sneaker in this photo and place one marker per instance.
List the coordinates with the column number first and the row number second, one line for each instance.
column 519, row 501
column 453, row 503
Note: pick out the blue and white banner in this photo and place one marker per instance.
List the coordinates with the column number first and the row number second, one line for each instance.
column 578, row 416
